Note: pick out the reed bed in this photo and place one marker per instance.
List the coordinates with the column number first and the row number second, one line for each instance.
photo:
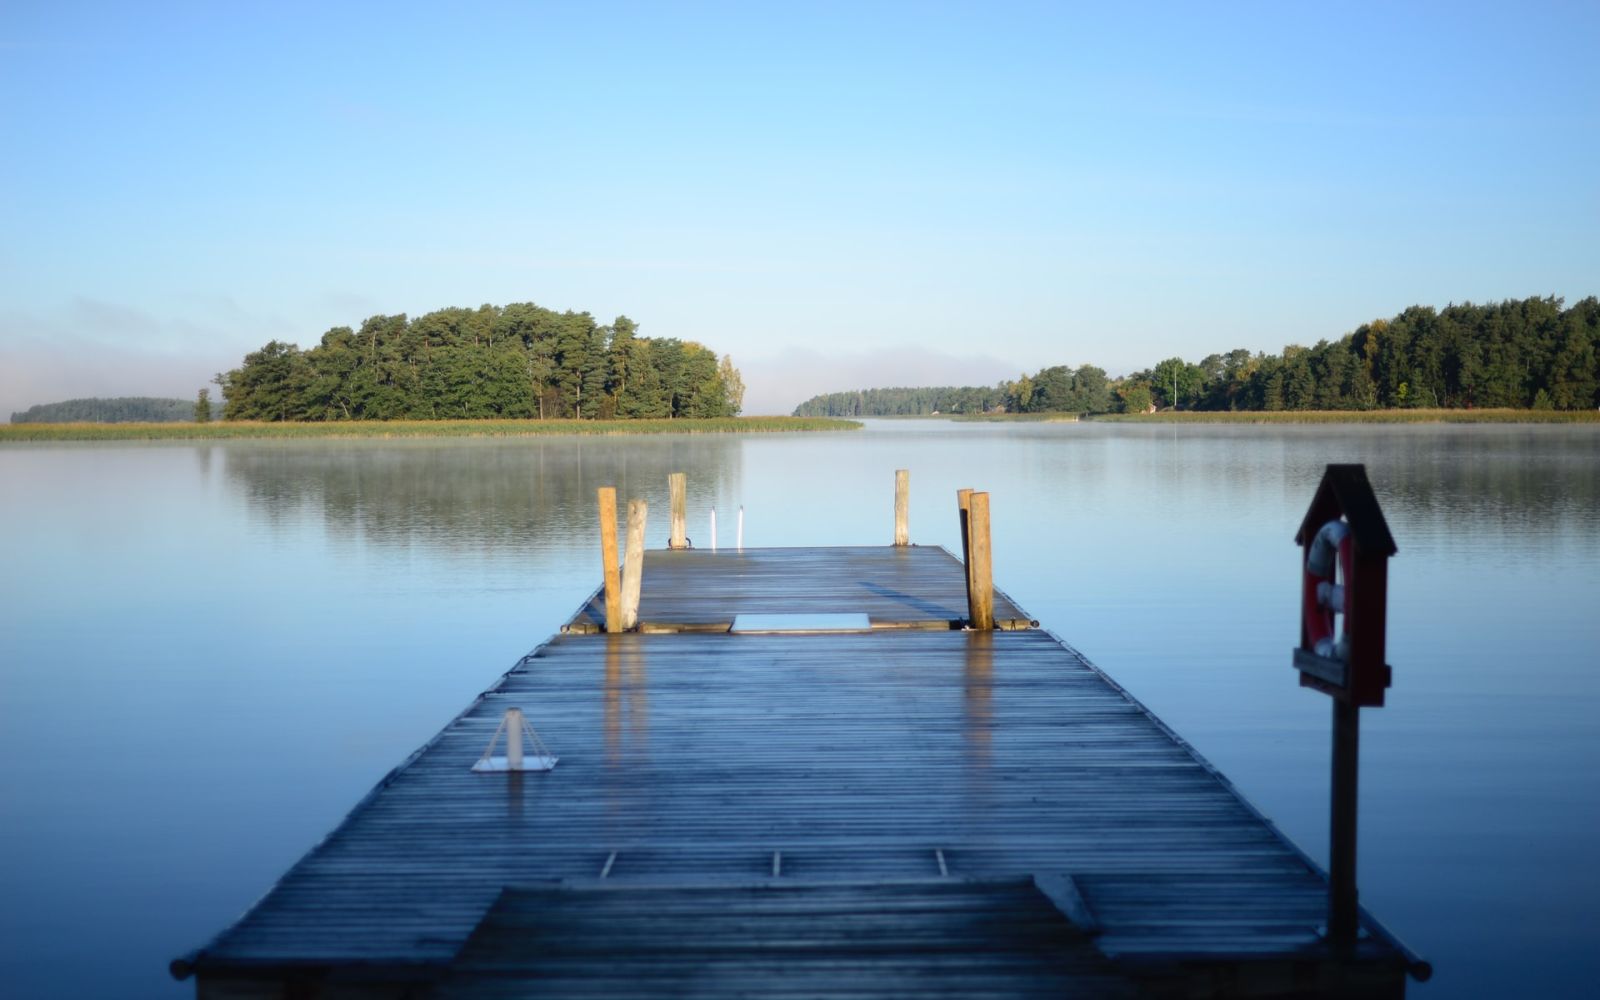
column 1436, row 416
column 244, row 429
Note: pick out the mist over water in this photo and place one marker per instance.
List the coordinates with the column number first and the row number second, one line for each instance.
column 210, row 652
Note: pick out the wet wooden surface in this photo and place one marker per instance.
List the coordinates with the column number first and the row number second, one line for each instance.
column 699, row 760
column 949, row 937
column 700, row 590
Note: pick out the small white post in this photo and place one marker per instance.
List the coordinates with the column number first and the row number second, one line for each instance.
column 518, row 734
column 713, row 529
column 514, row 739
column 739, row 539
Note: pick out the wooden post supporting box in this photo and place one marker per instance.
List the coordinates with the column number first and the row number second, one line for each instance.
column 1345, row 551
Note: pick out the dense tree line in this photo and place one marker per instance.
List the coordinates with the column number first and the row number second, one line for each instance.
column 1528, row 353
column 1518, row 354
column 903, row 402
column 121, row 410
column 514, row 361
column 1059, row 389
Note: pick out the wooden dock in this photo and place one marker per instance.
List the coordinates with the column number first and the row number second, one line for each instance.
column 904, row 809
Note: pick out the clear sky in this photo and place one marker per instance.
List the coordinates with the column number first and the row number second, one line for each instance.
column 838, row 195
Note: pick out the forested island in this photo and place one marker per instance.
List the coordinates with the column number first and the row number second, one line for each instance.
column 518, row 361
column 1518, row 354
column 121, row 410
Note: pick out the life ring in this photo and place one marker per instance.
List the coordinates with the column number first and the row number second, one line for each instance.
column 1325, row 590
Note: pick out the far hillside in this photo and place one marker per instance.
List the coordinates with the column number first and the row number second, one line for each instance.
column 903, row 402
column 120, row 410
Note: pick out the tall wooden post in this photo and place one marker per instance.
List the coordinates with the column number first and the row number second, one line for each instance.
column 608, row 557
column 964, row 511
column 902, row 506
column 633, row 562
column 678, row 487
column 1343, row 912
column 982, row 573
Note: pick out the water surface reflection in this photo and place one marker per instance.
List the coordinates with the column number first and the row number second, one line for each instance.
column 255, row 632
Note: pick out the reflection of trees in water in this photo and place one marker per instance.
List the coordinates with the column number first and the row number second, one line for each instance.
column 506, row 495
column 1540, row 484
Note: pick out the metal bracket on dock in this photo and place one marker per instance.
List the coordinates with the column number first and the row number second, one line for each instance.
column 516, row 729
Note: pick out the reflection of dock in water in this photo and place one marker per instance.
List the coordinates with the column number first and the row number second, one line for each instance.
column 912, row 809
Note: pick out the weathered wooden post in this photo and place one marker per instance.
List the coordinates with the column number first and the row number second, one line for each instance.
column 964, row 511
column 902, row 506
column 677, row 486
column 608, row 557
column 1346, row 547
column 981, row 576
column 633, row 562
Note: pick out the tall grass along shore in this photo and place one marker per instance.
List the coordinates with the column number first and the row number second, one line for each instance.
column 1417, row 416
column 238, row 429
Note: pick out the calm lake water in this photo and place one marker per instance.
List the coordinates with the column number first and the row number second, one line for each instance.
column 210, row 652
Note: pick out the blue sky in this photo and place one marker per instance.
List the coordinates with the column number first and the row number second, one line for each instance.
column 836, row 195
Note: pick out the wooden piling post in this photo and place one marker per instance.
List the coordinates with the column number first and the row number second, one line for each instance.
column 678, row 487
column 982, row 572
column 963, row 511
column 902, row 506
column 608, row 557
column 633, row 562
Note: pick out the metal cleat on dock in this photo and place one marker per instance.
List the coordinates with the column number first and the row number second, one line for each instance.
column 515, row 727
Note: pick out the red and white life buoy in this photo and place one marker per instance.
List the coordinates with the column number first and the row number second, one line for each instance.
column 1325, row 590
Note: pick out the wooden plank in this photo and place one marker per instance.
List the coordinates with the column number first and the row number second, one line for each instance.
column 1321, row 667
column 1063, row 892
column 808, row 624
column 893, row 585
column 944, row 937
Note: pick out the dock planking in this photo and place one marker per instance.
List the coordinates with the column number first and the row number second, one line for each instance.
column 946, row 937
column 706, row 763
column 897, row 587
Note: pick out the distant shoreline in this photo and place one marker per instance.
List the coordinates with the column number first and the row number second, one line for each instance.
column 225, row 430
column 1418, row 416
